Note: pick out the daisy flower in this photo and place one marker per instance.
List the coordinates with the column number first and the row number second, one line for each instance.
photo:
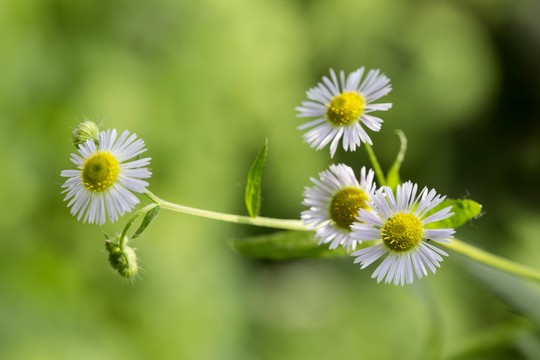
column 400, row 223
column 105, row 178
column 334, row 202
column 341, row 107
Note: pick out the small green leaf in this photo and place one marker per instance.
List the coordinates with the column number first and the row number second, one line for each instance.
column 392, row 178
column 463, row 210
column 285, row 245
column 253, row 187
column 150, row 215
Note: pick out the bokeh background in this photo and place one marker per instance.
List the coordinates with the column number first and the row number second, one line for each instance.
column 204, row 83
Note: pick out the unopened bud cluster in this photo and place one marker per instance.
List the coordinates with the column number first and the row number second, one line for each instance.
column 122, row 257
column 87, row 130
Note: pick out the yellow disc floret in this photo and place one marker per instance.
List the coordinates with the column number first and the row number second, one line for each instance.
column 345, row 205
column 345, row 108
column 402, row 232
column 99, row 171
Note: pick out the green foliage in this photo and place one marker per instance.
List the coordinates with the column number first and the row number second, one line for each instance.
column 392, row 178
column 253, row 186
column 285, row 245
column 150, row 215
column 463, row 210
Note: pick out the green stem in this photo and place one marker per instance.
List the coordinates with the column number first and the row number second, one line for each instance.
column 492, row 260
column 375, row 164
column 456, row 245
column 257, row 221
column 142, row 211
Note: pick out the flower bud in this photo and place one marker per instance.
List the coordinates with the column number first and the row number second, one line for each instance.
column 87, row 130
column 122, row 259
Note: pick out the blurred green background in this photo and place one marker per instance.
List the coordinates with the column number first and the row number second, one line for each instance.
column 204, row 83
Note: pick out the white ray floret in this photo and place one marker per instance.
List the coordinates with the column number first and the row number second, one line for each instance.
column 334, row 202
column 341, row 107
column 105, row 179
column 399, row 222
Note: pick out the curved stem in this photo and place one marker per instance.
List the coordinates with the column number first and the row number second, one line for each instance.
column 492, row 260
column 456, row 245
column 375, row 163
column 257, row 221
column 142, row 211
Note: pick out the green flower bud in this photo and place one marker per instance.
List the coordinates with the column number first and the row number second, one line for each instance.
column 87, row 130
column 122, row 259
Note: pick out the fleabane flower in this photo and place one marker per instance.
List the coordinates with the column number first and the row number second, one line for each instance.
column 341, row 107
column 400, row 222
column 105, row 179
column 334, row 202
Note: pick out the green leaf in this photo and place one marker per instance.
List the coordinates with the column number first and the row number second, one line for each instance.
column 285, row 245
column 392, row 178
column 150, row 215
column 463, row 210
column 253, row 187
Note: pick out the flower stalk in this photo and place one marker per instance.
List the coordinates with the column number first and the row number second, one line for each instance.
column 285, row 224
column 494, row 261
column 376, row 166
column 455, row 245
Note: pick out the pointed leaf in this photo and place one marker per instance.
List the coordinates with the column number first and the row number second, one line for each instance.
column 253, row 187
column 392, row 178
column 285, row 245
column 150, row 215
column 464, row 210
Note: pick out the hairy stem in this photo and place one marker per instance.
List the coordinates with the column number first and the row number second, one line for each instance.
column 257, row 221
column 492, row 260
column 375, row 163
column 456, row 245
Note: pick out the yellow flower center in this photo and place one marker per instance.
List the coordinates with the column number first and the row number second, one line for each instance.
column 345, row 108
column 345, row 205
column 402, row 232
column 100, row 171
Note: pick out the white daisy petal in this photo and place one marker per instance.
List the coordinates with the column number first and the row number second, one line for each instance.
column 311, row 124
column 439, row 215
column 344, row 104
column 426, row 260
column 419, row 267
column 369, row 218
column 335, row 142
column 306, row 112
column 427, row 198
column 370, row 255
column 382, row 269
column 395, row 220
column 436, row 249
column 440, row 235
column 92, row 209
column 409, row 270
column 329, row 85
column 377, row 107
column 354, row 79
column 371, row 122
column 333, row 203
column 342, row 80
column 105, row 178
column 392, row 271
